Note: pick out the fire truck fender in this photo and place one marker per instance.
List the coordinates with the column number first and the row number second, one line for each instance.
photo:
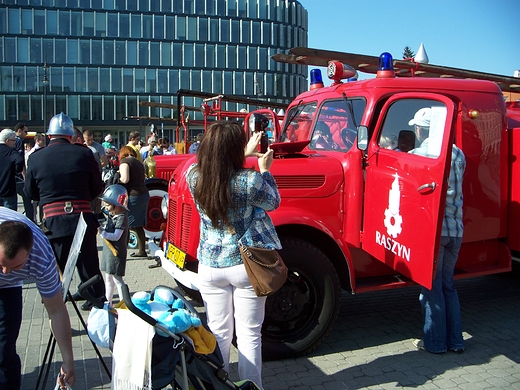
column 294, row 222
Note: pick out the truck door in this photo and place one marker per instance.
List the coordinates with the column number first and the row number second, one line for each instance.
column 407, row 169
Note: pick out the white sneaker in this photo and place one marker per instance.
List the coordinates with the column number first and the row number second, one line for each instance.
column 419, row 344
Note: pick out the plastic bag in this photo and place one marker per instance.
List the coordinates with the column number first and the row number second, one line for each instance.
column 101, row 327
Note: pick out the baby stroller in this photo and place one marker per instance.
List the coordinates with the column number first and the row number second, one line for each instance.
column 175, row 360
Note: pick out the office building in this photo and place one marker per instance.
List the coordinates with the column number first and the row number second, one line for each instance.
column 95, row 60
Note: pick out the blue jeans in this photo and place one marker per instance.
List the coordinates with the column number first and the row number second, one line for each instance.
column 440, row 305
column 11, row 202
column 10, row 322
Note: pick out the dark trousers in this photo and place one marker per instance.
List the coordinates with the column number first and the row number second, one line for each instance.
column 10, row 322
column 88, row 260
column 27, row 204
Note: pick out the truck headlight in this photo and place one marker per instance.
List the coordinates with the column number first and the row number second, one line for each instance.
column 164, row 206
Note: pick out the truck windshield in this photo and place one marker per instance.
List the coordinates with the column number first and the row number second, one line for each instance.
column 298, row 123
column 336, row 124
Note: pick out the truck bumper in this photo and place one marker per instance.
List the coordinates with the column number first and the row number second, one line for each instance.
column 185, row 277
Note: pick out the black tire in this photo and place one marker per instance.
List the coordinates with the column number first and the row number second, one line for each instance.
column 154, row 217
column 301, row 314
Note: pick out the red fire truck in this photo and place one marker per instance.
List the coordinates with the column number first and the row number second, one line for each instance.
column 358, row 212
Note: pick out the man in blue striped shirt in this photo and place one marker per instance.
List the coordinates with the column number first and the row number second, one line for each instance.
column 25, row 253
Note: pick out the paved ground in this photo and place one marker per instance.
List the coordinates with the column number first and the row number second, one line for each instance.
column 369, row 348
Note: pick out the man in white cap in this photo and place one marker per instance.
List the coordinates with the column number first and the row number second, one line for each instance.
column 421, row 124
column 442, row 329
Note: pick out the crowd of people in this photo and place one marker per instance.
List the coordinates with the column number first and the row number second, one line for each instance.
column 64, row 180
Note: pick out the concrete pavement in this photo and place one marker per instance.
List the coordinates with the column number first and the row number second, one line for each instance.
column 370, row 346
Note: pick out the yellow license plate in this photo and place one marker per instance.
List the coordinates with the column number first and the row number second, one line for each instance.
column 175, row 255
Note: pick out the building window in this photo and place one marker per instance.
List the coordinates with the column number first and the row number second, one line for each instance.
column 68, row 79
column 104, row 80
column 81, row 80
column 76, row 23
column 151, row 81
column 108, row 53
column 128, row 80
column 158, row 25
column 124, row 26
column 135, row 21
column 64, row 23
column 116, row 80
column 180, row 28
column 147, row 27
column 97, row 52
column 27, row 22
column 166, row 54
column 93, row 80
column 131, row 53
column 143, row 53
column 112, row 27
column 36, row 50
column 88, row 24
column 39, row 22
column 188, row 53
column 14, row 21
column 73, row 107
column 108, row 108
column 84, row 52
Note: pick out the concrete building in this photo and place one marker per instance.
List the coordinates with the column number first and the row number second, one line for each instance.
column 95, row 60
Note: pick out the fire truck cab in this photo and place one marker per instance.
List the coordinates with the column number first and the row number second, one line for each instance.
column 363, row 195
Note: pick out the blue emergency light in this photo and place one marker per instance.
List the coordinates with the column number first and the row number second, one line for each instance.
column 386, row 66
column 316, row 79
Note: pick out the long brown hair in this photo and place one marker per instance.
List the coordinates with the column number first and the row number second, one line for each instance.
column 221, row 152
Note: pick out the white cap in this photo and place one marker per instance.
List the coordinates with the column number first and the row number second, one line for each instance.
column 108, row 138
column 421, row 118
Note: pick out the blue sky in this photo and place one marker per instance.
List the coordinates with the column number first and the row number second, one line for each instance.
column 481, row 35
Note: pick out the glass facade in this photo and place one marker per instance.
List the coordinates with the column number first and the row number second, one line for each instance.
column 103, row 57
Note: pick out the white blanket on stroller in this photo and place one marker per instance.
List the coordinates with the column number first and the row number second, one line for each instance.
column 132, row 354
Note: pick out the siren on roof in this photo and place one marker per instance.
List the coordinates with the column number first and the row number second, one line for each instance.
column 316, row 79
column 386, row 66
column 338, row 71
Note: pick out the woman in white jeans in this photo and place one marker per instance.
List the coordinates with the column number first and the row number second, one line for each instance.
column 231, row 198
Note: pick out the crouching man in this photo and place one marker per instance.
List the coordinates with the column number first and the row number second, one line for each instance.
column 25, row 253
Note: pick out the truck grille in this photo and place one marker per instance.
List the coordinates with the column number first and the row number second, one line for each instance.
column 300, row 181
column 179, row 223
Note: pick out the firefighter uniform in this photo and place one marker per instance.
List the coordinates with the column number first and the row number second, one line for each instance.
column 64, row 178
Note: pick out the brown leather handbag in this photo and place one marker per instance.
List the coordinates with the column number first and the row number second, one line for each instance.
column 265, row 268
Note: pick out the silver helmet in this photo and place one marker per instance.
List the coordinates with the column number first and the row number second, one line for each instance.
column 61, row 124
column 116, row 195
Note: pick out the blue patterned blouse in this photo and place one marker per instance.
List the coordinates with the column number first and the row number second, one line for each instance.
column 253, row 193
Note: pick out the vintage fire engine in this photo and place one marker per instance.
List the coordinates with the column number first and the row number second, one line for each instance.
column 358, row 212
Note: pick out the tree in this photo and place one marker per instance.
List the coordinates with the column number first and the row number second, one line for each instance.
column 408, row 53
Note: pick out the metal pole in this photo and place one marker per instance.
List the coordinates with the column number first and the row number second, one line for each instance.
column 45, row 83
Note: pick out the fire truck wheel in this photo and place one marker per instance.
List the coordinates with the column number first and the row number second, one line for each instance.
column 132, row 240
column 154, row 217
column 301, row 314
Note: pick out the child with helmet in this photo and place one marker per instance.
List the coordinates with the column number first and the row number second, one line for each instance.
column 115, row 239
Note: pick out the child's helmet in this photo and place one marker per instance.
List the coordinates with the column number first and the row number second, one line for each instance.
column 116, row 195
